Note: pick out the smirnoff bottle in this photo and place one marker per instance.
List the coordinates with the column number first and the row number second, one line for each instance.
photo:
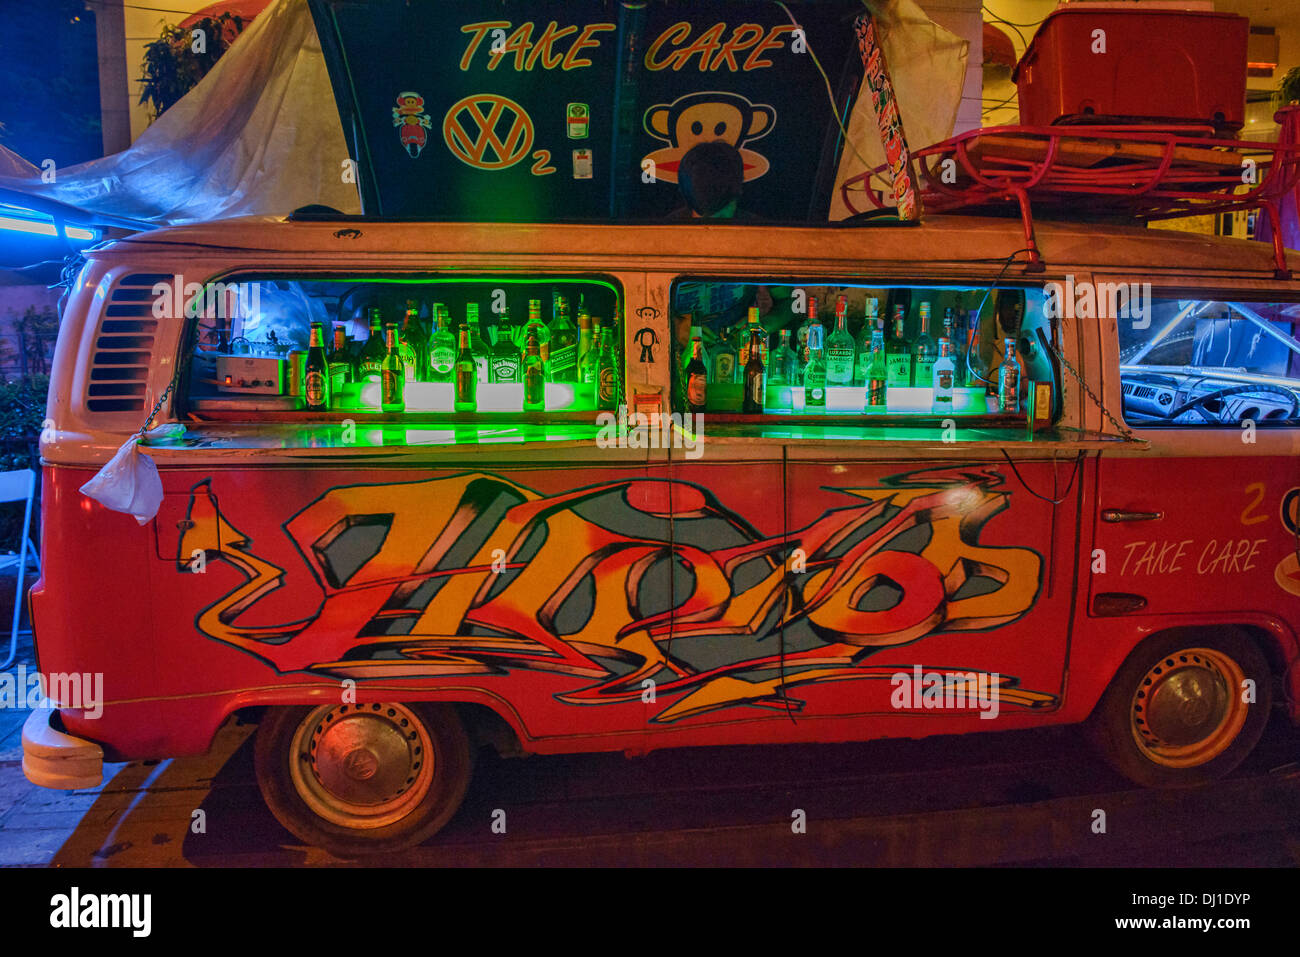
column 478, row 348
column 781, row 370
column 1009, row 379
column 925, row 351
column 505, row 363
column 839, row 348
column 755, row 379
column 392, row 378
column 724, row 359
column 373, row 352
column 875, row 370
column 534, row 374
column 697, row 378
column 466, row 373
column 869, row 327
column 814, row 373
column 316, row 375
column 564, row 344
column 607, row 375
column 341, row 367
column 944, row 377
column 442, row 349
column 898, row 355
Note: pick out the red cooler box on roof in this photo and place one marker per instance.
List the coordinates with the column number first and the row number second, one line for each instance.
column 1156, row 66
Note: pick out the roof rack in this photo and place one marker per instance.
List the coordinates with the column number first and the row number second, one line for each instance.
column 1140, row 172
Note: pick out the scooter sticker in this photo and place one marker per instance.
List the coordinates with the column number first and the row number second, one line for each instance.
column 412, row 121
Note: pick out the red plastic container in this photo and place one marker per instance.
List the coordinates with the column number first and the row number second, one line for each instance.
column 1159, row 66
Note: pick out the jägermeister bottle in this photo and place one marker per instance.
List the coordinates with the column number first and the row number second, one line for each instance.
column 697, row 378
column 373, row 352
column 839, row 347
column 814, row 373
column 466, row 375
column 392, row 378
column 534, row 374
column 875, row 370
column 316, row 375
column 898, row 356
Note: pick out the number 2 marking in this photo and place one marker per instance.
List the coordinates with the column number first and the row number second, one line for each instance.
column 540, row 168
column 1258, row 488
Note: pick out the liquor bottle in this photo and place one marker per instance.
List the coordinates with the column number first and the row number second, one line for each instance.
column 392, row 378
column 839, row 348
column 478, row 348
column 442, row 348
column 342, row 370
column 925, row 351
column 814, row 373
column 316, row 374
column 588, row 355
column 781, row 370
column 373, row 352
column 563, row 365
column 955, row 335
column 543, row 334
column 506, row 363
column 1009, row 379
column 876, row 370
column 534, row 374
column 407, row 348
column 755, row 379
column 944, row 377
column 898, row 356
column 863, row 356
column 697, row 378
column 607, row 376
column 752, row 325
column 978, row 371
column 466, row 374
column 724, row 359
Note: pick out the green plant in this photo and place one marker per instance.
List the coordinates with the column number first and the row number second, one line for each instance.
column 1288, row 91
column 22, row 413
column 172, row 67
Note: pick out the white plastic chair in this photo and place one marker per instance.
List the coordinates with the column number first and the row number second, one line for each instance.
column 19, row 485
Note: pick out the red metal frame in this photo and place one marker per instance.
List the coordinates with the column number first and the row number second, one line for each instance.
column 1156, row 186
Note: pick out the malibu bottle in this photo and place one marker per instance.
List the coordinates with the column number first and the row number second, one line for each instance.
column 839, row 348
column 926, row 353
column 1009, row 379
column 814, row 373
column 898, row 356
column 875, row 370
column 342, row 370
column 392, row 378
column 534, row 374
column 607, row 377
column 316, row 375
column 944, row 377
column 373, row 352
column 466, row 375
column 755, row 380
column 697, row 378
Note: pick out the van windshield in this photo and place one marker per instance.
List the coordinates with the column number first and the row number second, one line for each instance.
column 1212, row 362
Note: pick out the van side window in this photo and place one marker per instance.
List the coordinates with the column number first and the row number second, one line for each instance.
column 1211, row 362
column 861, row 351
column 399, row 345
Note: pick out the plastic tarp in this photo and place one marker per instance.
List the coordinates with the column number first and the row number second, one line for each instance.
column 259, row 135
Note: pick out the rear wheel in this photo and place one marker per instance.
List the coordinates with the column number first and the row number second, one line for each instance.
column 363, row 779
column 1180, row 712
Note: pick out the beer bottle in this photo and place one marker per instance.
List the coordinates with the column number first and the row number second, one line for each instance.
column 534, row 375
column 316, row 376
column 373, row 352
column 392, row 377
column 755, row 384
column 697, row 378
column 607, row 376
column 466, row 375
column 340, row 364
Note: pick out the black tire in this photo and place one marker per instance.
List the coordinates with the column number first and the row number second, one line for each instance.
column 301, row 797
column 1174, row 683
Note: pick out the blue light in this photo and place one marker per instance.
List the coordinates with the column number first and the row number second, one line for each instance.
column 32, row 222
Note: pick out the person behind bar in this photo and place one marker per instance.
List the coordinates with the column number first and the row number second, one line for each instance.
column 711, row 177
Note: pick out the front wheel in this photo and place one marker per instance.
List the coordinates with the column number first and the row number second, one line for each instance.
column 1183, row 710
column 362, row 779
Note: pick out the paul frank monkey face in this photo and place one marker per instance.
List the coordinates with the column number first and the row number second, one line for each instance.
column 704, row 117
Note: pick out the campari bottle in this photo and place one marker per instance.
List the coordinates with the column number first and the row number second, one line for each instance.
column 814, row 373
column 839, row 348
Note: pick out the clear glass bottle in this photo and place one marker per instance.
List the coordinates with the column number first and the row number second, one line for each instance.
column 814, row 373
column 839, row 348
column 870, row 324
column 925, row 351
column 478, row 347
column 943, row 377
column 724, row 359
column 875, row 371
column 898, row 354
column 781, row 370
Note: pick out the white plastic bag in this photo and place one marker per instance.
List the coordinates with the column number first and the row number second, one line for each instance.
column 128, row 483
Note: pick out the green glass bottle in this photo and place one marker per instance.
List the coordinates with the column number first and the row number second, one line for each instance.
column 607, row 376
column 534, row 375
column 466, row 375
column 392, row 377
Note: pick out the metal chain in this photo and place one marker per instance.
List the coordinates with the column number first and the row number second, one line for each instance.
column 1123, row 429
column 159, row 404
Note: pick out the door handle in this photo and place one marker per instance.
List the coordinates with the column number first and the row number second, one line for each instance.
column 1119, row 515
